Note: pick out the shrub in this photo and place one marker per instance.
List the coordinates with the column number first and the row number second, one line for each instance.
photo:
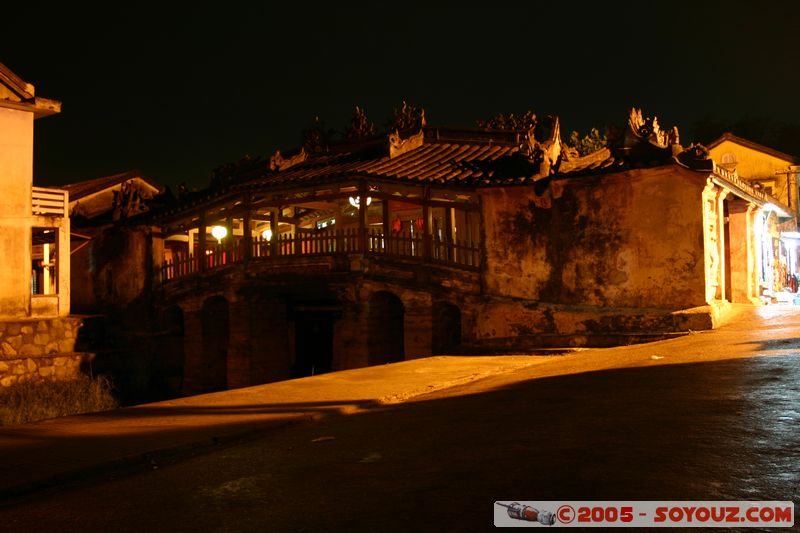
column 30, row 401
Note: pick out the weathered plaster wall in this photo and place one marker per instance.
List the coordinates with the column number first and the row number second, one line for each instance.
column 16, row 176
column 16, row 221
column 113, row 270
column 632, row 239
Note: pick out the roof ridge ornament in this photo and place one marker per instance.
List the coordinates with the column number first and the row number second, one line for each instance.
column 546, row 154
column 360, row 125
column 399, row 146
column 647, row 128
column 277, row 162
column 407, row 117
column 695, row 157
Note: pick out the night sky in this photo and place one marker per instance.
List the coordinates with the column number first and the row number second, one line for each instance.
column 176, row 93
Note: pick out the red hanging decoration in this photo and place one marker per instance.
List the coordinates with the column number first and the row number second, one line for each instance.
column 397, row 225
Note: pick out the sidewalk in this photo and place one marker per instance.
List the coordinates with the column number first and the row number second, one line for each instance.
column 51, row 452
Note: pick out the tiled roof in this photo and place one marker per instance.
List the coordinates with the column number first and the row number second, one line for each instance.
column 479, row 160
column 82, row 189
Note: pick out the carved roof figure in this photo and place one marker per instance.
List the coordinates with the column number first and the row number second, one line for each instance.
column 546, row 154
column 408, row 117
column 647, row 128
column 129, row 200
column 315, row 138
column 695, row 157
column 360, row 126
column 398, row 145
column 278, row 162
column 645, row 140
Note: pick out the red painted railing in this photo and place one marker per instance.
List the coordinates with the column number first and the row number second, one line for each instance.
column 403, row 246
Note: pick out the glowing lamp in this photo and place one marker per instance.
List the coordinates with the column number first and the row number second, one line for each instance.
column 356, row 202
column 267, row 234
column 219, row 233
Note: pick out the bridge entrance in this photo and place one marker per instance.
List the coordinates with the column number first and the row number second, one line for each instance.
column 313, row 345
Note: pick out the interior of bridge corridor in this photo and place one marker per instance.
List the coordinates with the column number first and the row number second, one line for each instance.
column 390, row 220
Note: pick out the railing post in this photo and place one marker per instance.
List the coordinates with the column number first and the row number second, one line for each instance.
column 426, row 234
column 448, row 234
column 339, row 241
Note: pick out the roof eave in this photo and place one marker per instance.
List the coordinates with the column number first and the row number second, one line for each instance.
column 40, row 107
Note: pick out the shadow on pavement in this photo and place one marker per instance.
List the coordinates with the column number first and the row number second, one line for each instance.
column 724, row 430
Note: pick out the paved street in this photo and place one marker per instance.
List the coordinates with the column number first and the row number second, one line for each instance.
column 710, row 416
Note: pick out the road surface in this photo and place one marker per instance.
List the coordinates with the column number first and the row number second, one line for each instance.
column 710, row 416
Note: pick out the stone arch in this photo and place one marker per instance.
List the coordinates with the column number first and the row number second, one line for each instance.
column 446, row 328
column 215, row 326
column 386, row 328
column 171, row 359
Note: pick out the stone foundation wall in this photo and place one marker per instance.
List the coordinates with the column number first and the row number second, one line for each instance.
column 32, row 350
column 56, row 367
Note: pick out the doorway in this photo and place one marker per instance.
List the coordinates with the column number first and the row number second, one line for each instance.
column 386, row 329
column 313, row 344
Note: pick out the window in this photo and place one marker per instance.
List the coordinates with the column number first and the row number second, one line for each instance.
column 44, row 256
column 728, row 160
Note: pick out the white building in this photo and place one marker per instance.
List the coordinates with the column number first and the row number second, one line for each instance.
column 34, row 222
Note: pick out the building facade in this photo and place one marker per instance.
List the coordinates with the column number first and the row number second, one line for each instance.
column 775, row 173
column 37, row 335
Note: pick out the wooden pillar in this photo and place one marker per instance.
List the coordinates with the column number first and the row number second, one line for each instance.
column 200, row 254
column 229, row 243
column 362, row 216
column 387, row 229
column 448, row 232
column 274, row 243
column 426, row 224
column 247, row 231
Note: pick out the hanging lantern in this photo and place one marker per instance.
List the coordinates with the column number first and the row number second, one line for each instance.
column 219, row 233
column 267, row 234
column 356, row 202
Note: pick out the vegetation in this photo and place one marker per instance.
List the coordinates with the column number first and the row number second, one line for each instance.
column 30, row 401
column 510, row 121
column 589, row 143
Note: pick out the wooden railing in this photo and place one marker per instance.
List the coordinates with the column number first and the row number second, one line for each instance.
column 392, row 246
column 49, row 202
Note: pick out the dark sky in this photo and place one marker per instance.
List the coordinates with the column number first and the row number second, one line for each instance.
column 176, row 93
